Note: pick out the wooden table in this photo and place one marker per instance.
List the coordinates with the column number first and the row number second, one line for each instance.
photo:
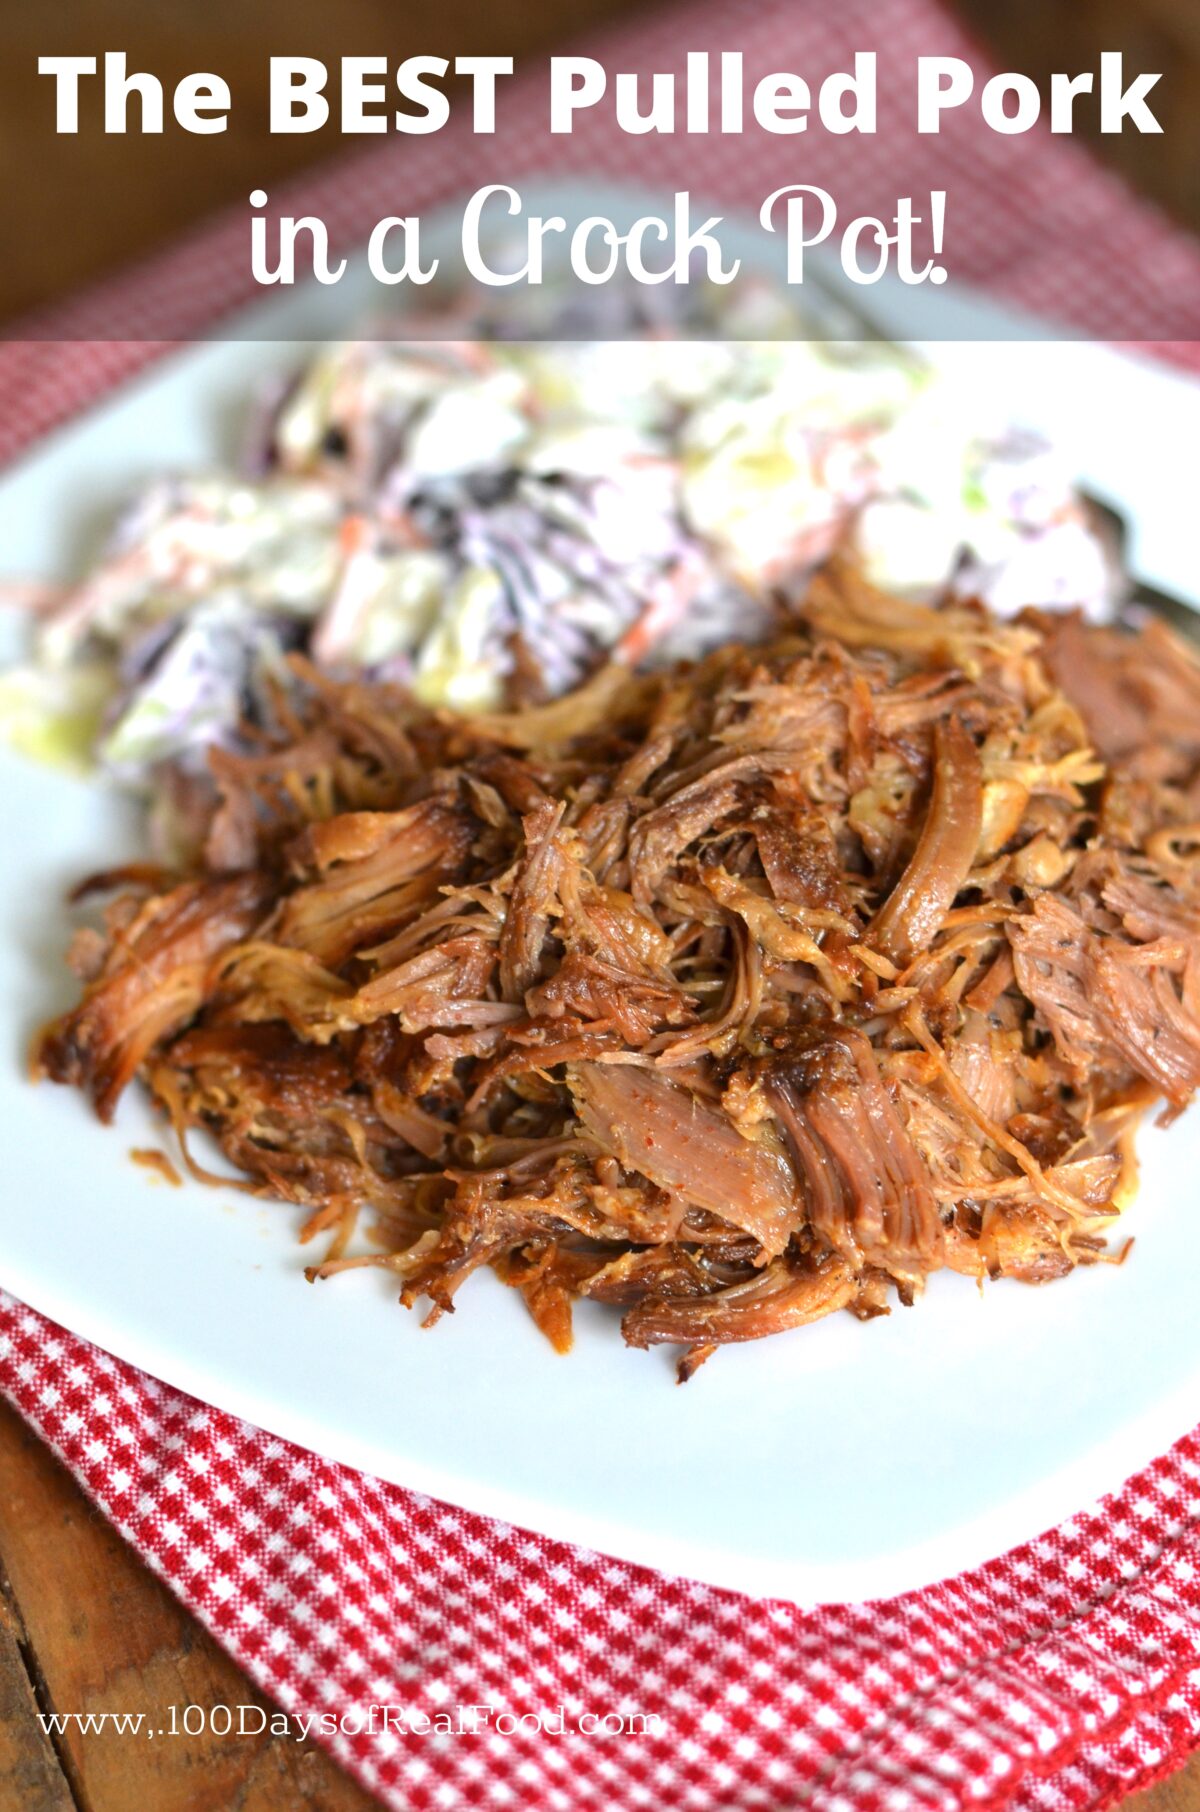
column 83, row 1625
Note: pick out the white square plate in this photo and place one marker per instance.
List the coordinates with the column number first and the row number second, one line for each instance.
column 844, row 1461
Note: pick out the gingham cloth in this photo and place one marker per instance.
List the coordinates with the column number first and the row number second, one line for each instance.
column 1063, row 1674
column 1033, row 219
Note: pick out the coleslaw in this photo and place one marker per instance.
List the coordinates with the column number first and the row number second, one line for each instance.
column 483, row 521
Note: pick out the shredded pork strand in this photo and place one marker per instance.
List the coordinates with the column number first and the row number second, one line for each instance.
column 730, row 996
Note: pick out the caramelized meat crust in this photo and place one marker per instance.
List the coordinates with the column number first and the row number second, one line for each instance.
column 732, row 995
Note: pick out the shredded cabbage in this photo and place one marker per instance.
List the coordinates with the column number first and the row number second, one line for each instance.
column 446, row 513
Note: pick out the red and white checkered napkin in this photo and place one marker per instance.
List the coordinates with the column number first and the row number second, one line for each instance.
column 1033, row 220
column 1059, row 1676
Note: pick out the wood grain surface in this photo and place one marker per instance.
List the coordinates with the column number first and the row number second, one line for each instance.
column 83, row 1625
column 1039, row 36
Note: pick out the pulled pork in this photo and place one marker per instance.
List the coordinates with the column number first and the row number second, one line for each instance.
column 731, row 995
